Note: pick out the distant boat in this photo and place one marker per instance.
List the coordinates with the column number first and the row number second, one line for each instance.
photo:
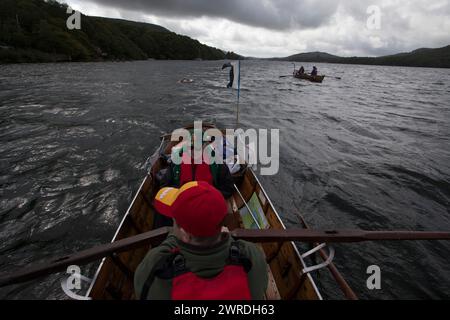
column 308, row 77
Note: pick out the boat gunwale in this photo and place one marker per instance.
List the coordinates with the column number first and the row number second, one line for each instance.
column 119, row 228
column 258, row 182
column 316, row 289
column 163, row 139
column 305, row 76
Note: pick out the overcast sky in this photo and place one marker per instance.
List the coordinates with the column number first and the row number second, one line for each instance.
column 269, row 28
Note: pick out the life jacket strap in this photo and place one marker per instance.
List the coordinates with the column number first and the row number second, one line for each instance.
column 163, row 264
column 238, row 258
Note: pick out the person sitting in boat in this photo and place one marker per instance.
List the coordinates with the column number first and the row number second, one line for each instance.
column 176, row 175
column 199, row 260
column 314, row 72
column 301, row 70
column 216, row 174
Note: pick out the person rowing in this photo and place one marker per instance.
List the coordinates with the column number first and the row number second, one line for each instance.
column 314, row 72
column 299, row 72
column 198, row 261
column 176, row 175
column 216, row 174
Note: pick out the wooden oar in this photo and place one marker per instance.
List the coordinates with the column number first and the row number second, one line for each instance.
column 270, row 235
column 285, row 76
column 338, row 78
column 154, row 237
column 332, row 236
column 343, row 284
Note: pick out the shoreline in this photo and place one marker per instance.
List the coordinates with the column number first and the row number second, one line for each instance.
column 2, row 63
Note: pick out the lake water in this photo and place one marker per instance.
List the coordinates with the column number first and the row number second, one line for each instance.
column 369, row 151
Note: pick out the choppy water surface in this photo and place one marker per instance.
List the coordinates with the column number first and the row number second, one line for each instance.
column 369, row 151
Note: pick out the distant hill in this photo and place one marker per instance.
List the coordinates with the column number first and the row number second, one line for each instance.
column 433, row 58
column 35, row 31
column 312, row 57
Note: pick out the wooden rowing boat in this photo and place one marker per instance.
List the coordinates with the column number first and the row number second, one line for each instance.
column 114, row 277
column 289, row 277
column 308, row 77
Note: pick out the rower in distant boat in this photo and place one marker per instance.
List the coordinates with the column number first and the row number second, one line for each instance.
column 314, row 72
column 198, row 261
column 299, row 72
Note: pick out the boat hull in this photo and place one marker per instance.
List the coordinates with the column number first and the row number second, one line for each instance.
column 304, row 76
column 114, row 277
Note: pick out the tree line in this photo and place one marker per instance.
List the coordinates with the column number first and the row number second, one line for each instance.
column 35, row 31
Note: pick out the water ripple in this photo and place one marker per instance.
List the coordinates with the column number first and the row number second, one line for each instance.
column 368, row 151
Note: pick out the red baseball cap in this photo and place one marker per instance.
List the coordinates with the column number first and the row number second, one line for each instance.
column 197, row 207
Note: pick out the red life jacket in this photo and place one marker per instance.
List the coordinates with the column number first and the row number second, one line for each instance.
column 230, row 284
column 194, row 172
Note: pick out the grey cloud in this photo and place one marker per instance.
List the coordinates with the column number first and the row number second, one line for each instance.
column 336, row 26
column 269, row 14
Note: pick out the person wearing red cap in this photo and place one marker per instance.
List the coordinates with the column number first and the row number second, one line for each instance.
column 198, row 261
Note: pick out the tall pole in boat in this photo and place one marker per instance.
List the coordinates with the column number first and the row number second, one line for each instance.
column 237, row 114
column 238, row 92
